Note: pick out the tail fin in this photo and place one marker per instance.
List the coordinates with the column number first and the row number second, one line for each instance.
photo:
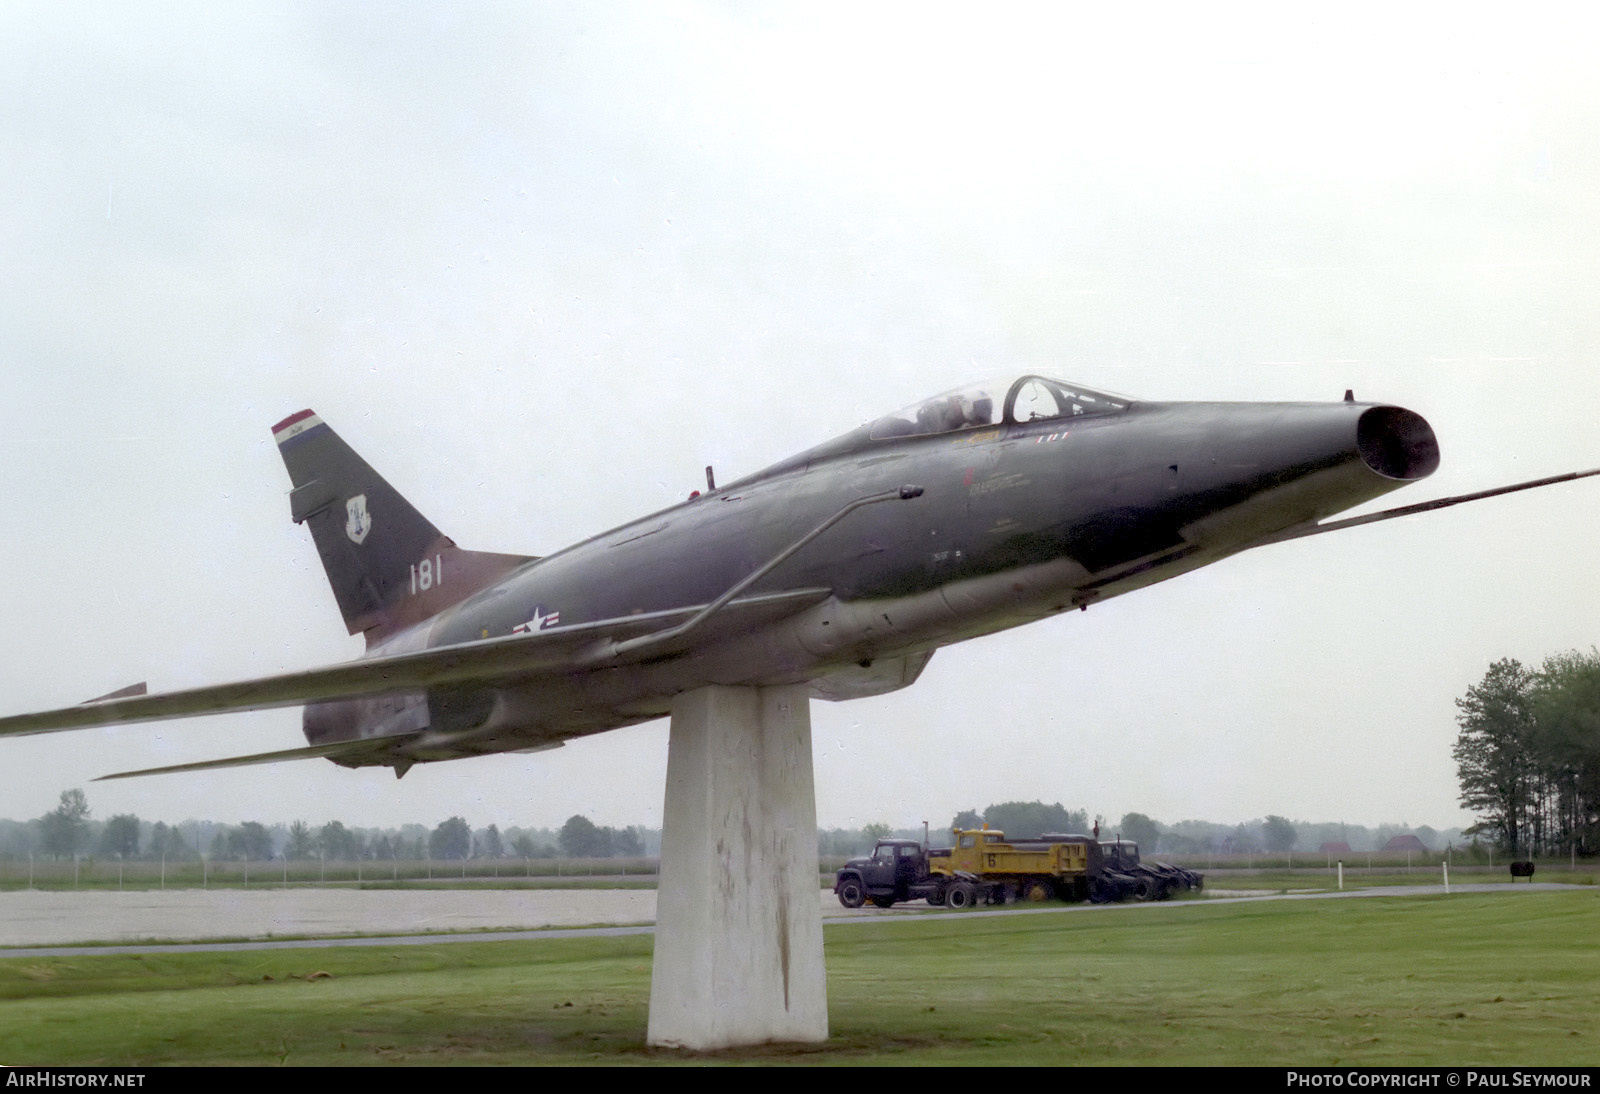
column 389, row 566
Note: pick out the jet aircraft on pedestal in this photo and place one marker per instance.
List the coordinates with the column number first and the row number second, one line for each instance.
column 843, row 568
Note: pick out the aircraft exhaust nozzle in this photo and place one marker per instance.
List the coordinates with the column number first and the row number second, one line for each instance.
column 1397, row 443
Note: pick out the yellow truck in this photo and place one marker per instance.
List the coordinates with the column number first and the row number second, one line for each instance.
column 984, row 866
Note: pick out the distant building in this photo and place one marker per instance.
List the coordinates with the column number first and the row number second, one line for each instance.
column 1405, row 843
column 1335, row 847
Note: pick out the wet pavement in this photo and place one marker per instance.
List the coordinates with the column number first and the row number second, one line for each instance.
column 33, row 922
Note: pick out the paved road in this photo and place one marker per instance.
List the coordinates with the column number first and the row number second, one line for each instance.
column 43, row 918
column 395, row 916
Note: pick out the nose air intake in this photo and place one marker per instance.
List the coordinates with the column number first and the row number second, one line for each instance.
column 1397, row 443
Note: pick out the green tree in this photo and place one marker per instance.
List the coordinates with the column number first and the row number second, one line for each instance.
column 1493, row 751
column 1035, row 818
column 65, row 827
column 580, row 838
column 452, row 839
column 160, row 838
column 302, row 844
column 121, row 836
column 1242, row 839
column 412, row 842
column 1142, row 830
column 1277, row 833
column 489, row 843
column 628, row 842
column 338, row 842
column 1175, row 843
column 1566, row 706
column 250, row 841
column 967, row 819
column 168, row 843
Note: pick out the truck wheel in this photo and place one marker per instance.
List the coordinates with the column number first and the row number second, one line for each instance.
column 960, row 895
column 851, row 894
column 1146, row 888
column 882, row 901
column 1038, row 891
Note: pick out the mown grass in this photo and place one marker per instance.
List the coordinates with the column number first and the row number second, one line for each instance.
column 1468, row 979
column 1283, row 880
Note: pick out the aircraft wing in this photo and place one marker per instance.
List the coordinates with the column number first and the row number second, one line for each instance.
column 513, row 659
column 369, row 750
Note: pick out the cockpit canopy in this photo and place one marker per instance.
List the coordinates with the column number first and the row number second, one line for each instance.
column 996, row 402
column 1008, row 400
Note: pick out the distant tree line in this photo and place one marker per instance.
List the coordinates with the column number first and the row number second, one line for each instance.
column 1528, row 754
column 1272, row 833
column 70, row 830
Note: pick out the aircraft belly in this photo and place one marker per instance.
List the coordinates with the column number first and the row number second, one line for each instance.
column 370, row 716
column 878, row 677
column 365, row 717
column 841, row 633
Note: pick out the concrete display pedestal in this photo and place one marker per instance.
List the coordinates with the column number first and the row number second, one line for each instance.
column 738, row 951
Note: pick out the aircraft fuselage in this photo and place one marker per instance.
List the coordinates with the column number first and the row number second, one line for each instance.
column 1018, row 520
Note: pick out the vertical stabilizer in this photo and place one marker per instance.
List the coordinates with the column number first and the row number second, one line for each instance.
column 389, row 566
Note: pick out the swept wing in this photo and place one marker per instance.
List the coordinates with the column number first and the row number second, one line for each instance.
column 515, row 659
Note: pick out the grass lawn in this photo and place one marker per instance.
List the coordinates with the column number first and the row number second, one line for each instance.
column 1466, row 979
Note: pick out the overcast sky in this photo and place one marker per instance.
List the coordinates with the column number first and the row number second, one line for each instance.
column 540, row 264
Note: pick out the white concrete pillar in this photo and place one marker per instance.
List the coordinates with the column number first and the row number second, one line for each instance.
column 738, row 951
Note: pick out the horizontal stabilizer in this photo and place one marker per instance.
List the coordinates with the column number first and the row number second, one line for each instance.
column 515, row 659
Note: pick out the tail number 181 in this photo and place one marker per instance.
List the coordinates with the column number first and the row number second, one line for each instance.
column 426, row 574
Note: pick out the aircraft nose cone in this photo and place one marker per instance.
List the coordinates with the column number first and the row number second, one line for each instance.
column 1263, row 468
column 1397, row 443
